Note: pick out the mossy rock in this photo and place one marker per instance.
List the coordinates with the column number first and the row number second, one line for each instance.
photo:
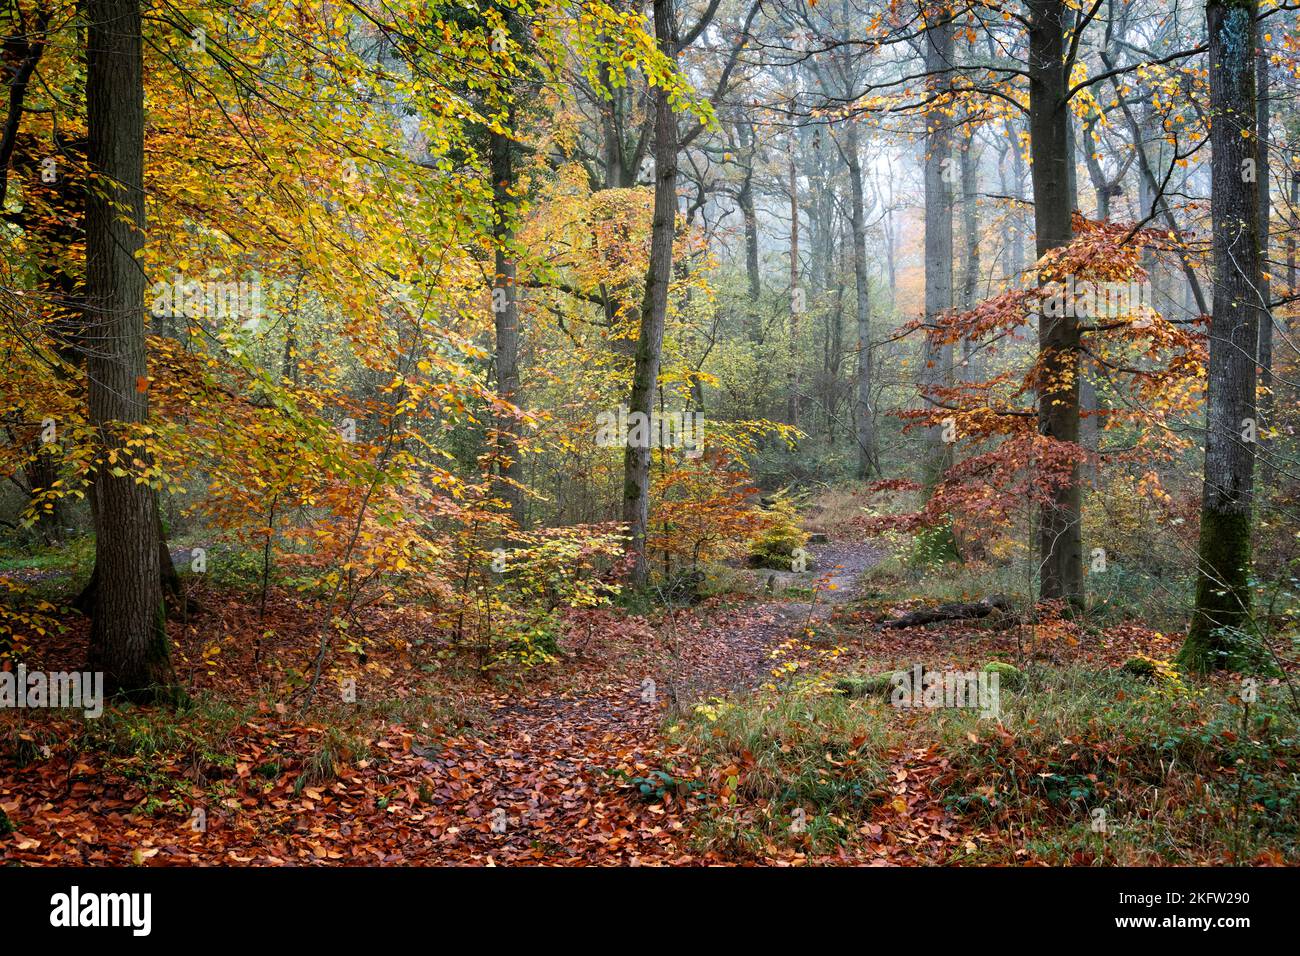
column 1141, row 668
column 1009, row 676
column 871, row 685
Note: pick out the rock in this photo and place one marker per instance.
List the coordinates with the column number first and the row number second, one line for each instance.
column 818, row 537
column 1143, row 668
column 1009, row 676
column 871, row 685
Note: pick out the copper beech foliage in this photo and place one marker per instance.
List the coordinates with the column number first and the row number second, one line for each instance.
column 1150, row 372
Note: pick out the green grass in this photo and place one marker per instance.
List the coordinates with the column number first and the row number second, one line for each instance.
column 774, row 754
column 56, row 573
column 1179, row 774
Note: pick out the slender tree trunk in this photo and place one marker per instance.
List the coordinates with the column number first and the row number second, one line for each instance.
column 798, row 296
column 505, row 311
column 971, row 266
column 128, row 640
column 939, row 172
column 1222, row 588
column 1265, row 357
column 1017, row 218
column 1291, row 241
column 654, row 306
column 1089, row 404
column 1060, row 538
column 970, row 225
column 751, row 241
column 862, row 393
column 745, row 199
column 749, row 217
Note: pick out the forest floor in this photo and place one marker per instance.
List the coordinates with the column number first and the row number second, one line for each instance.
column 576, row 764
column 562, row 758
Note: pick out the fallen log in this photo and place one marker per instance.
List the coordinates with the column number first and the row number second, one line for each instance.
column 950, row 612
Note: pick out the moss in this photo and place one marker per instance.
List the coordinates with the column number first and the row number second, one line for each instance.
column 1143, row 668
column 1216, row 637
column 1009, row 676
column 872, row 685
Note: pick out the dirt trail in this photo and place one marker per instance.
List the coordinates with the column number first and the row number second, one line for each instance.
column 735, row 656
column 551, row 775
column 553, row 770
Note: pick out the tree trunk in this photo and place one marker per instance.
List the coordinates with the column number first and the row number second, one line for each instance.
column 1291, row 238
column 1016, row 218
column 936, row 364
column 745, row 199
column 1089, row 403
column 1222, row 588
column 505, row 310
column 1060, row 539
column 654, row 306
column 970, row 225
column 1294, row 209
column 128, row 640
column 1265, row 356
column 798, row 296
column 862, row 398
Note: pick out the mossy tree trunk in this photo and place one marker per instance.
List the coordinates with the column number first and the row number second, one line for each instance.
column 1222, row 587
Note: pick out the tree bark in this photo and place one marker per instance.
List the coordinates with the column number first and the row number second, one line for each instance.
column 1016, row 217
column 1265, row 350
column 505, row 310
column 745, row 199
column 1060, row 537
column 798, row 296
column 128, row 640
column 936, row 364
column 1294, row 210
column 865, row 427
column 654, row 306
column 1222, row 588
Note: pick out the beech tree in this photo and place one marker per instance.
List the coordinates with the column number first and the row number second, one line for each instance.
column 654, row 306
column 1059, row 522
column 1223, row 603
column 128, row 640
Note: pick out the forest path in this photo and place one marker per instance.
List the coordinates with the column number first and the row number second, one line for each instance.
column 556, row 777
column 573, row 769
column 570, row 769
